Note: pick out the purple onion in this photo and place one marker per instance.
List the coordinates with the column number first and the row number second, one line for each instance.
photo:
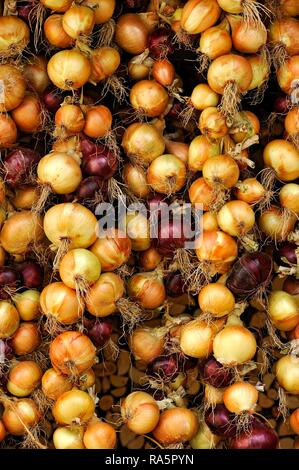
column 52, row 98
column 281, row 104
column 90, row 185
column 165, row 367
column 32, row 274
column 18, row 165
column 170, row 236
column 291, row 285
column 174, row 284
column 8, row 281
column 259, row 436
column 220, row 421
column 102, row 163
column 287, row 250
column 99, row 331
column 250, row 273
column 160, row 43
column 24, row 10
column 215, row 374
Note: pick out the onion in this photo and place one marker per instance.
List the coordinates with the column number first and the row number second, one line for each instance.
column 203, row 97
column 216, row 375
column 31, row 274
column 148, row 289
column 248, row 36
column 216, row 247
column 204, row 439
column 87, row 380
column 131, row 33
column 166, row 174
column 69, row 437
column 289, row 197
column 276, row 223
column 8, row 131
column 179, row 149
column 149, row 97
column 200, row 150
column 99, row 435
column 283, row 158
column 228, row 69
column 285, row 32
column 176, row 425
column 23, row 378
column 170, row 236
column 52, row 98
column 260, row 71
column 101, row 163
column 250, row 190
column 57, row 5
column 104, row 62
column 27, row 304
column 55, row 33
column 160, row 43
column 15, row 36
column 251, row 272
column 147, row 343
column 78, row 20
column 215, row 42
column 9, row 320
column 98, row 121
column 69, row 119
column 209, row 221
column 138, row 230
column 240, row 397
column 91, row 188
column 55, row 384
column 174, row 284
column 248, row 120
column 234, row 345
column 199, row 15
column 289, row 7
column 163, row 367
column 236, row 218
column 69, row 69
column 294, row 421
column 103, row 9
column 27, row 115
column 196, row 339
column 291, row 285
column 103, row 295
column 2, row 431
column 73, row 406
column 135, row 179
column 72, row 352
column 18, row 165
column 26, row 339
column 12, row 89
column 150, row 259
column 112, row 249
column 283, row 310
column 35, row 73
column 99, row 331
column 140, row 412
column 287, row 74
column 212, row 124
column 220, row 421
column 143, row 142
column 216, row 299
column 287, row 373
column 71, row 223
column 59, row 301
column 291, row 122
column 20, row 231
column 24, row 10
column 79, row 267
column 163, row 72
column 23, row 412
column 259, row 436
column 9, row 281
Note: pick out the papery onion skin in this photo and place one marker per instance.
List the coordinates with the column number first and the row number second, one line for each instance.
column 176, row 425
column 248, row 37
column 294, row 421
column 18, row 165
column 283, row 157
column 27, row 304
column 170, row 236
column 212, row 124
column 135, row 179
column 140, row 412
column 13, row 87
column 113, row 248
column 285, row 31
column 60, row 171
column 166, row 174
column 26, row 339
column 276, row 223
column 259, row 436
column 240, row 397
column 213, row 373
column 287, row 373
column 283, row 310
column 20, row 231
column 131, row 33
column 55, row 384
column 196, row 339
column 200, row 150
column 28, row 115
column 104, row 62
column 55, row 33
column 287, row 74
column 23, row 378
column 216, row 299
column 73, row 405
column 78, row 20
column 221, row 171
column 234, row 345
column 99, row 435
column 104, row 294
column 99, row 331
column 98, row 121
column 291, row 285
column 61, row 302
column 147, row 343
column 250, row 272
column 9, row 319
column 36, row 74
column 250, row 190
column 215, row 42
column 220, row 421
column 15, row 36
column 57, row 5
column 234, row 68
column 69, row 69
column 148, row 289
column 160, row 43
column 217, row 247
column 103, row 9
column 8, row 131
column 149, row 97
column 143, row 142
column 25, row 409
column 69, row 437
column 31, row 274
column 199, row 15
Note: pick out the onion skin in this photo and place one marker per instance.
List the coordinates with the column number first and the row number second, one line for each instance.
column 68, row 437
column 69, row 69
column 160, row 43
column 170, row 237
column 287, row 373
column 291, row 285
column 18, row 165
column 234, row 68
column 283, row 310
column 131, row 33
column 286, row 32
column 176, row 425
column 260, row 436
column 31, row 273
column 213, row 373
column 234, row 345
column 73, row 405
column 99, row 435
column 26, row 339
column 20, row 231
column 14, row 87
column 294, row 421
column 55, row 384
column 100, row 163
column 113, row 249
column 99, row 331
column 28, row 412
column 199, row 15
column 15, row 36
column 149, row 97
column 140, row 412
column 250, row 272
column 147, row 343
column 220, row 421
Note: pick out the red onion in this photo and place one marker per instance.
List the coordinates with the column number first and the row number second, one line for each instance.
column 102, row 164
column 99, row 331
column 291, row 285
column 259, row 436
column 6, row 351
column 174, row 284
column 160, row 43
column 250, row 273
column 89, row 147
column 220, row 421
column 170, row 236
column 215, row 374
column 24, row 10
column 287, row 250
column 90, row 185
column 175, row 110
column 282, row 104
column 32, row 274
column 8, row 280
column 52, row 98
column 134, row 4
column 164, row 367
column 19, row 164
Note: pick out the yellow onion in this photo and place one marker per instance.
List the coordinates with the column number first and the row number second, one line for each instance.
column 287, row 373
column 9, row 319
column 203, row 97
column 200, row 150
column 69, row 69
column 150, row 259
column 20, row 415
column 131, row 33
column 27, row 304
column 26, row 339
column 112, row 248
column 87, row 379
column 57, row 5
column 21, row 230
column 166, row 174
column 103, row 9
column 70, row 437
column 236, row 218
column 216, row 247
column 179, row 149
column 15, row 36
column 287, row 75
column 209, row 221
column 221, row 171
column 285, row 32
column 234, row 345
column 289, row 197
column 248, row 36
column 163, row 72
column 176, row 425
column 213, row 396
column 294, row 421
column 2, row 431
column 103, row 295
column 59, row 301
column 215, row 42
column 291, row 122
column 196, row 339
column 98, row 121
column 99, row 435
column 23, row 378
column 69, row 119
column 212, row 123
column 277, row 223
column 199, row 15
column 138, row 230
column 204, row 439
column 8, row 131
column 73, row 406
column 140, row 412
column 147, row 343
column 55, row 33
column 283, row 310
column 104, row 62
column 200, row 192
column 79, row 266
column 240, row 397
column 28, row 115
column 250, row 190
column 13, row 87
column 229, row 69
column 55, row 384
column 216, row 299
column 35, row 72
column 135, row 179
column 143, row 142
column 260, row 71
column 72, row 353
column 283, row 157
column 72, row 223
column 251, row 123
column 148, row 289
column 59, row 172
column 149, row 97
column 289, row 7
column 78, row 20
